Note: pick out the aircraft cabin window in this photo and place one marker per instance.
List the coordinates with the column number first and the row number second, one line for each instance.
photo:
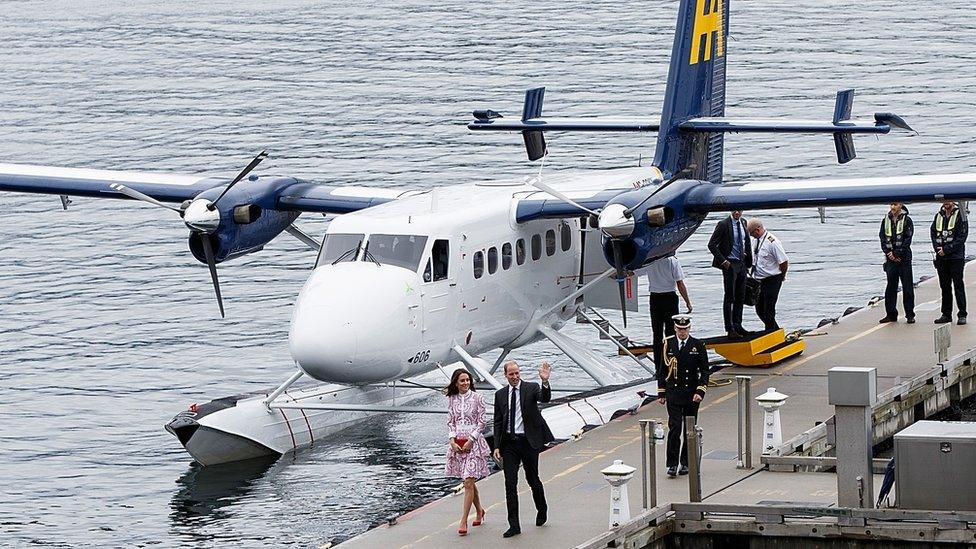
column 479, row 264
column 338, row 248
column 520, row 251
column 550, row 242
column 492, row 260
column 507, row 256
column 536, row 247
column 440, row 255
column 565, row 236
column 400, row 250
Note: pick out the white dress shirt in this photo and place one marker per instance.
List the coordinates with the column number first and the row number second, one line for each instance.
column 663, row 275
column 769, row 257
column 519, row 426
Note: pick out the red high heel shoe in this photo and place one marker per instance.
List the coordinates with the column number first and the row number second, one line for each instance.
column 479, row 520
column 463, row 531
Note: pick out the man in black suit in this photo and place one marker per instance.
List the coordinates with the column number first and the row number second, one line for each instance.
column 519, row 437
column 732, row 253
column 681, row 384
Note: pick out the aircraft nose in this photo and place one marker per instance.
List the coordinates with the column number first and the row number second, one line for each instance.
column 356, row 323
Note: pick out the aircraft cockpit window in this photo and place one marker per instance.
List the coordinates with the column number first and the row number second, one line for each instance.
column 437, row 265
column 565, row 236
column 400, row 250
column 479, row 264
column 520, row 251
column 507, row 256
column 338, row 248
column 550, row 242
column 492, row 260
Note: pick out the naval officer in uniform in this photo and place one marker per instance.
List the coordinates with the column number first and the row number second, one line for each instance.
column 681, row 384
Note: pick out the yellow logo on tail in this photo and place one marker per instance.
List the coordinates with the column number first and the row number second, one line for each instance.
column 707, row 23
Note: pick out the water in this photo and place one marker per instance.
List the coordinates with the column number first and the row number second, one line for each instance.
column 108, row 326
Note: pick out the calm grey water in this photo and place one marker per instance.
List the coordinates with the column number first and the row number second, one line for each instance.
column 108, row 326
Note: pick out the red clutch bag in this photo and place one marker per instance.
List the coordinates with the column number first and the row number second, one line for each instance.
column 460, row 441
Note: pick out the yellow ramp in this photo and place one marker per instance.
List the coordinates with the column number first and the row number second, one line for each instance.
column 761, row 351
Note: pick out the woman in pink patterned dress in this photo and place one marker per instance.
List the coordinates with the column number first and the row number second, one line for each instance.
column 467, row 457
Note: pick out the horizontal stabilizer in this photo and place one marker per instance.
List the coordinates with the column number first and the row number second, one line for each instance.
column 566, row 125
column 779, row 125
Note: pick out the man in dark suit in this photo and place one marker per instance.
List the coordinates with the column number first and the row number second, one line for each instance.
column 681, row 384
column 732, row 254
column 520, row 434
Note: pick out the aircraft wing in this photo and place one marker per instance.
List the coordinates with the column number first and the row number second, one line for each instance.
column 288, row 194
column 800, row 193
column 165, row 187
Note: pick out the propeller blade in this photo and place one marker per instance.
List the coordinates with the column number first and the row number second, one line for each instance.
column 690, row 168
column 208, row 251
column 618, row 264
column 536, row 182
column 132, row 193
column 247, row 169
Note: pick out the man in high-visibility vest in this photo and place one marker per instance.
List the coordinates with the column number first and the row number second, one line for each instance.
column 896, row 243
column 949, row 231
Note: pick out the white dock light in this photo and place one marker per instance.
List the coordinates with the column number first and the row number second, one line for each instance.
column 771, row 401
column 618, row 475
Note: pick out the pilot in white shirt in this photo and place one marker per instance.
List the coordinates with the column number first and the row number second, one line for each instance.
column 771, row 264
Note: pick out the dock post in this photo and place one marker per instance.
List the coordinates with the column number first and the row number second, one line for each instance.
column 693, row 441
column 852, row 392
column 744, row 392
column 648, row 463
column 617, row 476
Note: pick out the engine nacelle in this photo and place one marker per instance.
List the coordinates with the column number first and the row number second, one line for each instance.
column 248, row 218
column 660, row 225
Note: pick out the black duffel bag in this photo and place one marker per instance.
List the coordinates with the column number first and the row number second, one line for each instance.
column 753, row 289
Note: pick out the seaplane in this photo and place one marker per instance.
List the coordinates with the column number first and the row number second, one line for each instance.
column 408, row 282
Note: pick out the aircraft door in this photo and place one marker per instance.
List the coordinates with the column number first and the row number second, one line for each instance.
column 439, row 288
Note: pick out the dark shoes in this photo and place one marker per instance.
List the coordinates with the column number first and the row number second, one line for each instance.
column 511, row 532
column 961, row 321
column 672, row 472
column 910, row 320
column 943, row 319
column 683, row 470
column 541, row 518
column 887, row 319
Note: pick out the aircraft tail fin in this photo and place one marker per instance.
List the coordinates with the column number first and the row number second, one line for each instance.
column 695, row 88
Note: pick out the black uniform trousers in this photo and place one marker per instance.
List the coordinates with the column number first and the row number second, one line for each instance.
column 734, row 281
column 678, row 408
column 518, row 451
column 950, row 273
column 766, row 308
column 664, row 305
column 899, row 271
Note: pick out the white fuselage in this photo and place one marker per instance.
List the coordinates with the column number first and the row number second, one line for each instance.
column 358, row 322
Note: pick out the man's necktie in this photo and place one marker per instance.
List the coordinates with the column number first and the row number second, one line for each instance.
column 511, row 412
